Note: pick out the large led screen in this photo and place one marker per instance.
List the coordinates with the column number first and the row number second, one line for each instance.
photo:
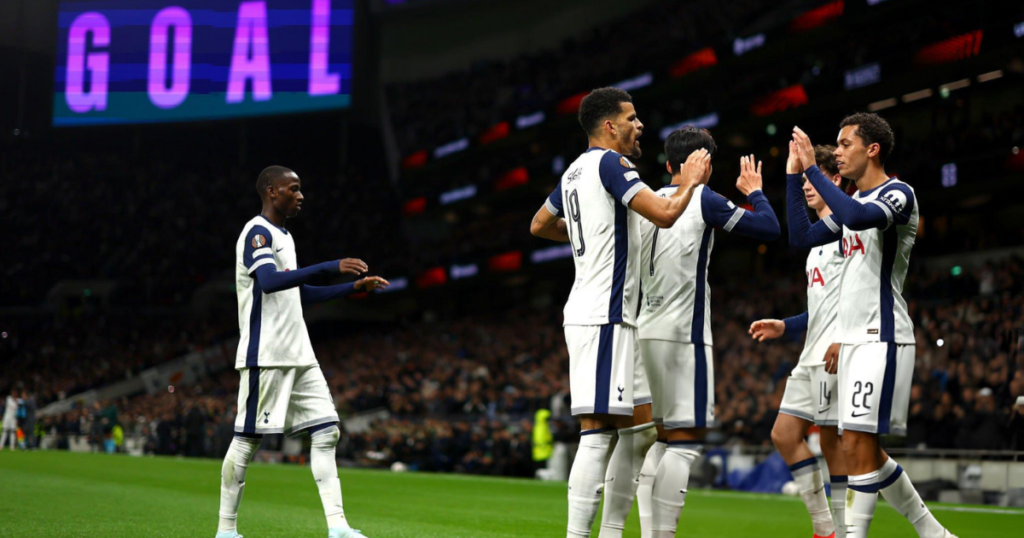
column 138, row 61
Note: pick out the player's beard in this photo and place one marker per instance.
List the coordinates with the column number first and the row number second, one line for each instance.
column 634, row 148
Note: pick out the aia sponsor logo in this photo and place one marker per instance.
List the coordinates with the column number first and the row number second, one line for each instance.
column 852, row 244
column 814, row 277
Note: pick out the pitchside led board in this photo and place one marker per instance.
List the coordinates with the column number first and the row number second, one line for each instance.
column 140, row 61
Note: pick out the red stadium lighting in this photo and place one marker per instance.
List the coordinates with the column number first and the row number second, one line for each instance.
column 513, row 178
column 414, row 206
column 431, row 278
column 783, row 99
column 415, row 160
column 950, row 50
column 695, row 61
column 507, row 262
column 496, row 132
column 816, row 17
column 571, row 105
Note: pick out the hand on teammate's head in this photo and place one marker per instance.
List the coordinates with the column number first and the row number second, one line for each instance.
column 696, row 166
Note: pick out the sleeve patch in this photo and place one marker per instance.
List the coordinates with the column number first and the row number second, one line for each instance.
column 632, row 174
column 258, row 241
column 895, row 199
column 625, row 163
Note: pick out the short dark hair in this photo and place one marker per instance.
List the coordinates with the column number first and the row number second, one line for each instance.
column 601, row 104
column 872, row 129
column 684, row 141
column 270, row 175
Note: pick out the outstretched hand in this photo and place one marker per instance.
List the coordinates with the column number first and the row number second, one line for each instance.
column 767, row 329
column 371, row 283
column 353, row 266
column 750, row 176
column 804, row 148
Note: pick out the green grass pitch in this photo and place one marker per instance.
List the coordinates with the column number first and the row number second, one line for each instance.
column 58, row 495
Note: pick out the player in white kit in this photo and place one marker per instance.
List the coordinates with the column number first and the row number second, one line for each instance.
column 675, row 323
column 596, row 208
column 874, row 342
column 811, row 397
column 282, row 389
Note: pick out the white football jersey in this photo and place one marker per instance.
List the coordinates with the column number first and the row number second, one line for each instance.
column 676, row 304
column 824, row 271
column 273, row 332
column 871, row 304
column 593, row 196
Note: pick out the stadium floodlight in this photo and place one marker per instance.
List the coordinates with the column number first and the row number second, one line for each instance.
column 454, row 195
column 397, row 284
column 956, row 84
column 1018, row 29
column 882, row 105
column 743, row 45
column 864, row 75
column 464, row 271
column 635, row 83
column 707, row 121
column 529, row 120
column 551, row 253
column 918, row 95
column 949, row 175
column 454, row 146
column 991, row 75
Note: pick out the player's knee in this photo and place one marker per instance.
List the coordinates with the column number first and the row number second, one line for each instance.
column 782, row 439
column 326, row 438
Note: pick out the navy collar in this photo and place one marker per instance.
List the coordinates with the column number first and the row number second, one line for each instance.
column 272, row 224
column 868, row 192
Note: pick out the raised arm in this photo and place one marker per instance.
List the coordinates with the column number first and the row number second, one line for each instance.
column 802, row 233
column 664, row 212
column 853, row 214
column 548, row 222
column 761, row 223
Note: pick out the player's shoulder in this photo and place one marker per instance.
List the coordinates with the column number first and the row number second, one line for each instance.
column 896, row 194
column 613, row 158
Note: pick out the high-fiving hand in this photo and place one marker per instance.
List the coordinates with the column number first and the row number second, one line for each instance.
column 750, row 176
column 793, row 164
column 804, row 148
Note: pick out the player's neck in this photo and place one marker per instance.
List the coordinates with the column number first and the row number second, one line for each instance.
column 603, row 144
column 874, row 177
column 677, row 179
column 274, row 217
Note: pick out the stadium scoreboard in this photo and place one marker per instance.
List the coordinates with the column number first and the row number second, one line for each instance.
column 141, row 61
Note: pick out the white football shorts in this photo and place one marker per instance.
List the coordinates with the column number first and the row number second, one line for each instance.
column 601, row 364
column 811, row 395
column 283, row 400
column 874, row 387
column 682, row 380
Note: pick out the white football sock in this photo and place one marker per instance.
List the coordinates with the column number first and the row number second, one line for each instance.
column 670, row 484
column 905, row 499
column 232, row 480
column 621, row 479
column 325, row 472
column 807, row 475
column 838, row 485
column 586, row 480
column 861, row 499
column 645, row 489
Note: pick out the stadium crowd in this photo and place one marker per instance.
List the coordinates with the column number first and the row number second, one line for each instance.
column 461, row 394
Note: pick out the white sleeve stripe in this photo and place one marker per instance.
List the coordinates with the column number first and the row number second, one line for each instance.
column 831, row 224
column 551, row 208
column 262, row 261
column 736, row 216
column 888, row 213
column 626, row 198
column 262, row 251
